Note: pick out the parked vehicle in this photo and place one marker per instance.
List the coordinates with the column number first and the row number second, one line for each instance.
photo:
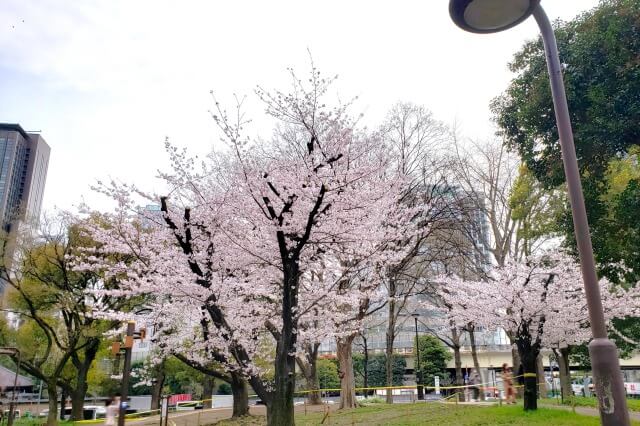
column 632, row 388
column 577, row 388
column 189, row 405
column 16, row 414
column 89, row 412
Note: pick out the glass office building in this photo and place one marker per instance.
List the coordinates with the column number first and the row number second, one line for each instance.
column 24, row 160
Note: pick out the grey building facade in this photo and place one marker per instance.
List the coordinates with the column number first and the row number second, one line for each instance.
column 24, row 161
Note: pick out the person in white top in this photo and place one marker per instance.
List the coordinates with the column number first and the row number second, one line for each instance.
column 113, row 407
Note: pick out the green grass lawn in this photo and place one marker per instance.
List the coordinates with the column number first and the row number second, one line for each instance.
column 435, row 414
column 581, row 401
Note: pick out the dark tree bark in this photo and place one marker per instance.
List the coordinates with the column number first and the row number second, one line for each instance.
column 240, row 392
column 63, row 402
column 390, row 339
column 158, row 384
column 207, row 391
column 457, row 359
column 347, row 378
column 474, row 355
column 530, row 394
column 529, row 350
column 542, row 383
column 52, row 391
column 280, row 408
column 82, row 366
column 77, row 397
column 365, row 367
column 308, row 367
column 562, row 356
column 515, row 357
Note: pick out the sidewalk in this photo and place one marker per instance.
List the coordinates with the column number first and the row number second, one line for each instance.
column 212, row 415
column 587, row 411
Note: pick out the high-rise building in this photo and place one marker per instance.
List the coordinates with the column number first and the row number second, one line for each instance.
column 24, row 160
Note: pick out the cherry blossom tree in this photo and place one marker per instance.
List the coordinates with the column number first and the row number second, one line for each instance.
column 318, row 195
column 541, row 299
column 196, row 304
column 228, row 265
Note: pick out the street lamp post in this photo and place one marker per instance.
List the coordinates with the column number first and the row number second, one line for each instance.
column 489, row 16
column 127, row 348
column 419, row 383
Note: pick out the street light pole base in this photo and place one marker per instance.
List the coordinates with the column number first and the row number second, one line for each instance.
column 609, row 386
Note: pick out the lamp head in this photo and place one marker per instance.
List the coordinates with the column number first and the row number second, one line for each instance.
column 490, row 16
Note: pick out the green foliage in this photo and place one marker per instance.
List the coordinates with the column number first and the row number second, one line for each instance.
column 224, row 389
column 358, row 369
column 377, row 369
column 433, row 358
column 600, row 49
column 373, row 400
column 538, row 210
column 99, row 377
column 328, row 374
column 180, row 378
column 138, row 380
column 56, row 325
column 579, row 356
column 602, row 77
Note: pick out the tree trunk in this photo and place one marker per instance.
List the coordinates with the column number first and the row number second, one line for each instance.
column 52, row 391
column 476, row 363
column 313, row 384
column 63, row 403
column 77, row 401
column 457, row 359
column 240, row 393
column 528, row 357
column 207, row 391
column 365, row 367
column 515, row 358
column 347, row 378
column 156, row 389
column 309, row 368
column 82, row 366
column 390, row 339
column 280, row 407
column 542, row 383
column 562, row 356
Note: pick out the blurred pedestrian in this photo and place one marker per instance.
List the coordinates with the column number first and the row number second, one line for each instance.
column 112, row 405
column 507, row 381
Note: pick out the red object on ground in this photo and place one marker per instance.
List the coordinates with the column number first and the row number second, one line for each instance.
column 180, row 397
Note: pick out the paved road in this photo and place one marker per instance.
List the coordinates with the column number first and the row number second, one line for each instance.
column 207, row 417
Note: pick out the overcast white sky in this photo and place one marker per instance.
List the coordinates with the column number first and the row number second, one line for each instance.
column 106, row 81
